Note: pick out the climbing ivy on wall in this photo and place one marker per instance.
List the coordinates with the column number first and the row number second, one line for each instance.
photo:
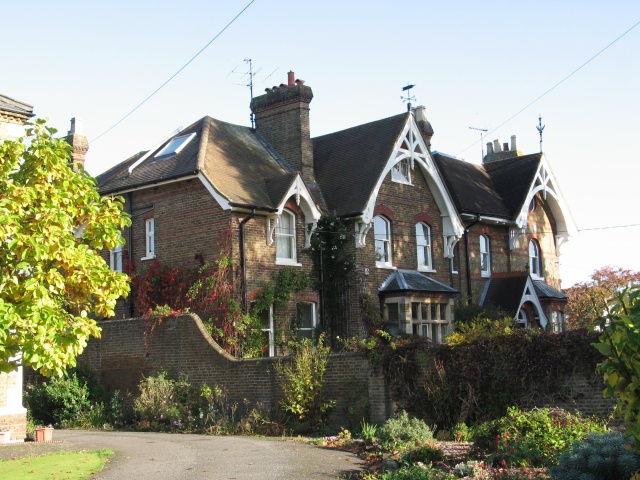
column 333, row 270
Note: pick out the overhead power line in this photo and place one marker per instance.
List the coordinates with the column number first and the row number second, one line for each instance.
column 552, row 88
column 175, row 74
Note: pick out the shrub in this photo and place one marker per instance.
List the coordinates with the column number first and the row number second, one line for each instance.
column 601, row 456
column 76, row 400
column 533, row 438
column 368, row 431
column 414, row 472
column 404, row 432
column 302, row 379
column 426, row 454
column 472, row 468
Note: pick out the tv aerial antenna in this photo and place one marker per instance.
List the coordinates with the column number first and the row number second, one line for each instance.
column 482, row 132
column 408, row 98
column 540, row 128
column 248, row 75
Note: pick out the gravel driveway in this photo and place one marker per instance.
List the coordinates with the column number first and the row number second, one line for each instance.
column 177, row 456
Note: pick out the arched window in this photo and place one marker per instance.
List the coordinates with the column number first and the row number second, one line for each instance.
column 286, row 237
column 423, row 243
column 535, row 260
column 382, row 234
column 485, row 256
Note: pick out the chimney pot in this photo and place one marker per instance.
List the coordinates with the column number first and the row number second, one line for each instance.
column 299, row 82
column 489, row 148
column 290, row 78
column 496, row 146
column 514, row 143
column 268, row 90
column 76, row 126
column 505, row 147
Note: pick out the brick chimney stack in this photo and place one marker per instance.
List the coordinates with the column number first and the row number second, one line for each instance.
column 420, row 114
column 79, row 142
column 282, row 118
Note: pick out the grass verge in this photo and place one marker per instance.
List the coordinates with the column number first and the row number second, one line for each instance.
column 59, row 465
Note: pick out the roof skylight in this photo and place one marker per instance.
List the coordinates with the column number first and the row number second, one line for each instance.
column 175, row 145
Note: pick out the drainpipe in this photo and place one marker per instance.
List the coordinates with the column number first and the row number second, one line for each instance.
column 468, row 265
column 243, row 261
column 130, row 249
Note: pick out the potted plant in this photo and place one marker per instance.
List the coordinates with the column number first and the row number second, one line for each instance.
column 5, row 435
column 44, row 434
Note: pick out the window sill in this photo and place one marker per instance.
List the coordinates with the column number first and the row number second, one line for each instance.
column 426, row 270
column 148, row 258
column 402, row 182
column 290, row 263
column 386, row 266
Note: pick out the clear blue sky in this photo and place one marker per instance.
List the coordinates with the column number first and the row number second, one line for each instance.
column 474, row 64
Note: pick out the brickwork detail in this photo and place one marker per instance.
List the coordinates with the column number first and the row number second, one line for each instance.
column 182, row 346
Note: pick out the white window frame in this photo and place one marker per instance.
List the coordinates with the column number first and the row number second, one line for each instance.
column 115, row 259
column 485, row 256
column 424, row 324
column 150, row 239
column 535, row 259
column 270, row 331
column 175, row 145
column 557, row 321
column 382, row 241
column 401, row 172
column 286, row 239
column 314, row 320
column 423, row 244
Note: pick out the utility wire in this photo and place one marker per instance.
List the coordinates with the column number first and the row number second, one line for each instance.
column 174, row 75
column 550, row 89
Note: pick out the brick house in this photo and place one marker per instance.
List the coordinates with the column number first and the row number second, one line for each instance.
column 13, row 416
column 430, row 231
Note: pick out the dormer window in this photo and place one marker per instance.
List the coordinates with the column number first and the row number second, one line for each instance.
column 401, row 172
column 175, row 145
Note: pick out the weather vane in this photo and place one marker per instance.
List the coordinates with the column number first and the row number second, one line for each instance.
column 540, row 128
column 408, row 98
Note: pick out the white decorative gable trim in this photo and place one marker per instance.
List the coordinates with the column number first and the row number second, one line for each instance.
column 361, row 233
column 222, row 201
column 411, row 147
column 303, row 199
column 529, row 295
column 546, row 183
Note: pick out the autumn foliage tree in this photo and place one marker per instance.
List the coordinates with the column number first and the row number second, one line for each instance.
column 52, row 277
column 587, row 302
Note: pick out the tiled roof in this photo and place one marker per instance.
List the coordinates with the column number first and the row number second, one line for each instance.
column 505, row 292
column 233, row 158
column 8, row 104
column 470, row 187
column 413, row 281
column 544, row 290
column 496, row 189
column 348, row 163
column 513, row 178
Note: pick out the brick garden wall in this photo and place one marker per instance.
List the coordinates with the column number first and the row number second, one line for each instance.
column 182, row 345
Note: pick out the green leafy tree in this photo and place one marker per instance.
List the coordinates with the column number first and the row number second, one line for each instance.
column 620, row 343
column 587, row 301
column 52, row 278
